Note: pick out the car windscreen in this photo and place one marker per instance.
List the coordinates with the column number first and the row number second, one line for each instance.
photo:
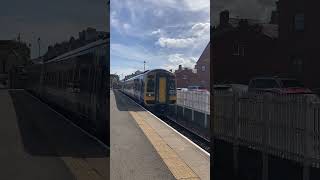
column 265, row 83
column 291, row 83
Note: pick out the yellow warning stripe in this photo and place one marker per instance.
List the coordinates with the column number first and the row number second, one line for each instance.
column 176, row 165
column 81, row 169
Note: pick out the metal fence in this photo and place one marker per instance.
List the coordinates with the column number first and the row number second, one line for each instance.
column 195, row 100
column 286, row 126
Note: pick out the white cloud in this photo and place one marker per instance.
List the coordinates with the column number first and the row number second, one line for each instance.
column 129, row 52
column 174, row 60
column 175, row 43
column 189, row 5
column 156, row 32
column 198, row 34
column 197, row 5
column 200, row 29
column 179, row 27
column 114, row 21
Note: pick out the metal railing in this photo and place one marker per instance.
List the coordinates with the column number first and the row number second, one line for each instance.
column 287, row 126
column 195, row 100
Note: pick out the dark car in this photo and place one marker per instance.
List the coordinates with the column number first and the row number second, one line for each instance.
column 277, row 85
column 280, row 86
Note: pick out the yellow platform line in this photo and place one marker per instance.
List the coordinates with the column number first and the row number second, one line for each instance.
column 175, row 164
column 81, row 169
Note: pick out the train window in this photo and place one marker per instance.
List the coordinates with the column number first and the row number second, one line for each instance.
column 150, row 85
column 172, row 84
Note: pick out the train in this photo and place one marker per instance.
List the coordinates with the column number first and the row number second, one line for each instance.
column 75, row 83
column 155, row 89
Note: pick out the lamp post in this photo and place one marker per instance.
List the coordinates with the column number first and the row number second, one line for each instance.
column 39, row 46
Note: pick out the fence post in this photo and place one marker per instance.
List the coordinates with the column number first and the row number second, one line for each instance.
column 205, row 120
column 267, row 99
column 235, row 133
column 307, row 142
column 192, row 115
column 183, row 112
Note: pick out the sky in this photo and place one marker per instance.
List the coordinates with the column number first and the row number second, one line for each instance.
column 252, row 9
column 53, row 21
column 164, row 33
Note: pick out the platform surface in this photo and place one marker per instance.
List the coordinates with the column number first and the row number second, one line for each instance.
column 37, row 143
column 148, row 147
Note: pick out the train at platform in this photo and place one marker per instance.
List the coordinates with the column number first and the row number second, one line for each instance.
column 75, row 83
column 154, row 89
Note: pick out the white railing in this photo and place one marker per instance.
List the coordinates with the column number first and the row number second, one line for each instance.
column 195, row 100
column 283, row 125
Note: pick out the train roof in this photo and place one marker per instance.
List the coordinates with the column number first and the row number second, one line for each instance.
column 78, row 50
column 149, row 71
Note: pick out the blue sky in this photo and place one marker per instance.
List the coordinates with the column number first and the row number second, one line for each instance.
column 164, row 33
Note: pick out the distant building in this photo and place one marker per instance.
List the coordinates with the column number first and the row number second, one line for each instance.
column 91, row 34
column 132, row 75
column 185, row 77
column 12, row 54
column 85, row 37
column 243, row 48
column 299, row 37
column 114, row 81
column 203, row 68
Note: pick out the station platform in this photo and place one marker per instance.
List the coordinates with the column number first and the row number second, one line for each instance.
column 39, row 143
column 144, row 147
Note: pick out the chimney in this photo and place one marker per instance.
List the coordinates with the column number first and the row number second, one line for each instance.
column 180, row 67
column 224, row 17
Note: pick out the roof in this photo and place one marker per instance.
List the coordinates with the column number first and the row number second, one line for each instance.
column 270, row 30
column 83, row 48
column 205, row 54
column 148, row 71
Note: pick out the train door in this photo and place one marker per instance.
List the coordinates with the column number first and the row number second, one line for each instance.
column 162, row 89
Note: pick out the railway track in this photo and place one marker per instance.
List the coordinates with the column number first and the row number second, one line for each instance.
column 198, row 139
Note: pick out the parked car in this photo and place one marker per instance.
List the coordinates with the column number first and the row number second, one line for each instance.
column 197, row 88
column 280, row 86
column 182, row 89
column 231, row 87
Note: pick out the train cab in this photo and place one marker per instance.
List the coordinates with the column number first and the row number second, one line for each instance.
column 155, row 89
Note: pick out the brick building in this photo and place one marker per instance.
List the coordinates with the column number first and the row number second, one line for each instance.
column 203, row 68
column 185, row 77
column 243, row 48
column 299, row 37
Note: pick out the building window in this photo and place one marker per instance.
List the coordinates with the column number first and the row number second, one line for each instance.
column 238, row 49
column 298, row 65
column 184, row 77
column 203, row 68
column 299, row 22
